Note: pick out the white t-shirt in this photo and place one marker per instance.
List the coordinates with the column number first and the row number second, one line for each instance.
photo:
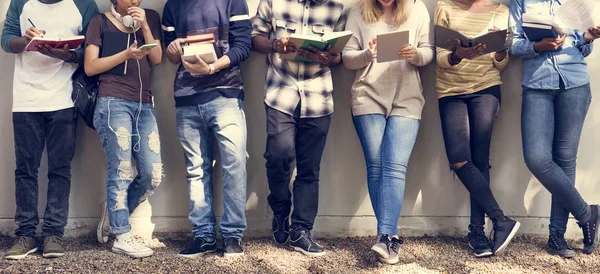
column 43, row 83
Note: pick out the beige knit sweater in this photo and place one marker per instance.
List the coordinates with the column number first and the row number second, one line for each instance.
column 390, row 88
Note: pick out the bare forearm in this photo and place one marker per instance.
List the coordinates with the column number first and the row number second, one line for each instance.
column 155, row 54
column 261, row 44
column 18, row 44
column 222, row 63
column 101, row 65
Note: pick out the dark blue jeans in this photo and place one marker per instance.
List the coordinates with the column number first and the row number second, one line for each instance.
column 33, row 131
column 551, row 123
column 467, row 122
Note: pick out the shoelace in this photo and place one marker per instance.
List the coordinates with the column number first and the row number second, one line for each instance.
column 587, row 235
column 22, row 241
column 560, row 242
column 395, row 246
column 134, row 243
column 54, row 240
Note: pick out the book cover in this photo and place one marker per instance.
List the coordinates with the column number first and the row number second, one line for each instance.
column 446, row 38
column 537, row 32
column 337, row 41
column 113, row 43
column 72, row 42
column 388, row 45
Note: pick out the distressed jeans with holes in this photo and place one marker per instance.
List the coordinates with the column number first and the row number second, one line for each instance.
column 223, row 120
column 115, row 122
column 387, row 144
column 551, row 124
column 467, row 122
column 32, row 131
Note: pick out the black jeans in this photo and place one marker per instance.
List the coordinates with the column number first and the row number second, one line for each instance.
column 303, row 139
column 33, row 131
column 467, row 122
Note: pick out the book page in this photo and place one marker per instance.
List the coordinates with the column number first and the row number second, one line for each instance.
column 579, row 14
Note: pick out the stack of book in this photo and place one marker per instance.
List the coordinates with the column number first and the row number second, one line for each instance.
column 203, row 45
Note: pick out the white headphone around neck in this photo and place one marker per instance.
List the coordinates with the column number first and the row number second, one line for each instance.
column 127, row 20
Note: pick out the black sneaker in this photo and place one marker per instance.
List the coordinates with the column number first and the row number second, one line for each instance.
column 590, row 231
column 198, row 247
column 557, row 245
column 302, row 242
column 479, row 243
column 233, row 247
column 504, row 231
column 280, row 227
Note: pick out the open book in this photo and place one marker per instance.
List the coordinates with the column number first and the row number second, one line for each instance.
column 72, row 42
column 538, row 27
column 337, row 41
column 579, row 14
column 494, row 40
column 388, row 45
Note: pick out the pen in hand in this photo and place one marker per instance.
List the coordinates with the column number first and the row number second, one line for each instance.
column 39, row 31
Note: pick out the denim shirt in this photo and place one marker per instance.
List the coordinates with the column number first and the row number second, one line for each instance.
column 544, row 70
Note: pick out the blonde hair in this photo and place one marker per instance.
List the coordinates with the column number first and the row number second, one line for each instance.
column 372, row 11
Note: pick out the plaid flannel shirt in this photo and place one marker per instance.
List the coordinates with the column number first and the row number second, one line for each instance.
column 289, row 83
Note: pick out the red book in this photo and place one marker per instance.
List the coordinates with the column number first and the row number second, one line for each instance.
column 209, row 37
column 72, row 42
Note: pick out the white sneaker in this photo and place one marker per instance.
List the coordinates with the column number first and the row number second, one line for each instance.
column 103, row 229
column 130, row 246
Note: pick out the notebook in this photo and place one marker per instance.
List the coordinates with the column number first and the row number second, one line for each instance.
column 337, row 41
column 113, row 43
column 493, row 40
column 388, row 45
column 72, row 42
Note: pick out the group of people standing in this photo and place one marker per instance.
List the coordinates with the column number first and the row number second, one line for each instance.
column 387, row 101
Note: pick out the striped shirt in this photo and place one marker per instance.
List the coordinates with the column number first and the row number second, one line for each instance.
column 289, row 83
column 471, row 75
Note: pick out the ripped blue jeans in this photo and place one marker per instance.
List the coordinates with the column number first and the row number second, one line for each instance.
column 126, row 137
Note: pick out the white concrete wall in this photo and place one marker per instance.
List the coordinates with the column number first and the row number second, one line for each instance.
column 435, row 201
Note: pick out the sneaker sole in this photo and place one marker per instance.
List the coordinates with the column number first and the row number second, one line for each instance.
column 382, row 254
column 481, row 255
column 133, row 255
column 18, row 257
column 99, row 235
column 557, row 253
column 53, row 255
column 508, row 239
column 309, row 254
column 194, row 256
column 233, row 255
column 389, row 260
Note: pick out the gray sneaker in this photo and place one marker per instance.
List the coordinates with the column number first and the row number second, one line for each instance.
column 23, row 247
column 394, row 248
column 53, row 247
column 381, row 246
column 103, row 230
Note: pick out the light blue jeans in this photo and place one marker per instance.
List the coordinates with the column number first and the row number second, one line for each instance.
column 223, row 119
column 387, row 144
column 115, row 122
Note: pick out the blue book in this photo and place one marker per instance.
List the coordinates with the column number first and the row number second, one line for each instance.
column 535, row 32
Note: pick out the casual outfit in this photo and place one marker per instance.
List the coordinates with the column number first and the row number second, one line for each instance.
column 43, row 115
column 556, row 98
column 299, row 104
column 125, row 121
column 387, row 100
column 210, row 107
column 469, row 102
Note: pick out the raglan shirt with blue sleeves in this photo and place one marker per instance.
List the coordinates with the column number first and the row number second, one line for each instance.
column 43, row 83
column 543, row 70
column 228, row 20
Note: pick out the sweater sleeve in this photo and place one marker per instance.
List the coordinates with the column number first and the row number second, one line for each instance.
column 424, row 40
column 168, row 24
column 240, row 40
column 12, row 26
column 88, row 10
column 353, row 55
column 442, row 54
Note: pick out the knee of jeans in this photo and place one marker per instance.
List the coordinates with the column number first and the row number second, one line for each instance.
column 538, row 162
column 458, row 165
column 374, row 169
column 395, row 170
column 124, row 171
column 280, row 151
column 565, row 159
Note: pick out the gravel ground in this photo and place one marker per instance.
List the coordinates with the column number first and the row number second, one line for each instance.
column 349, row 255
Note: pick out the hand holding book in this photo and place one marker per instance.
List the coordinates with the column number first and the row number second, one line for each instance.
column 283, row 46
column 325, row 57
column 468, row 52
column 549, row 44
column 592, row 34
